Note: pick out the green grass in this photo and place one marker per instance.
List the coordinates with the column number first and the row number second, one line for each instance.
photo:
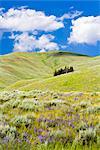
column 85, row 78
column 26, row 66
column 42, row 112
column 65, row 121
column 78, row 81
column 27, row 71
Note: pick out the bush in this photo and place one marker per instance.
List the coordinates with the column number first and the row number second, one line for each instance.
column 21, row 120
column 92, row 109
column 84, row 104
column 2, row 117
column 29, row 104
column 82, row 126
column 15, row 103
column 56, row 102
column 7, row 131
column 87, row 136
column 5, row 95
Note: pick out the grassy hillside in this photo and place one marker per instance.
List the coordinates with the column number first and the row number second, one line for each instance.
column 19, row 66
column 85, row 79
column 28, row 71
column 41, row 112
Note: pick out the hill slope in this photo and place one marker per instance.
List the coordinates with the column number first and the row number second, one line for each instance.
column 47, row 112
column 35, row 70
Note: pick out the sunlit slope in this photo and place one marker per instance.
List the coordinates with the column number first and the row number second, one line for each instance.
column 81, row 81
column 21, row 66
column 86, row 77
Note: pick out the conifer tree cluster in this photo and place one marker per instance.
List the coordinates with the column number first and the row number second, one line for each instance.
column 63, row 71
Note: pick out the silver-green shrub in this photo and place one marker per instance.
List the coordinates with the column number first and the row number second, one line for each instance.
column 29, row 104
column 21, row 120
column 86, row 136
column 7, row 131
column 84, row 104
column 92, row 109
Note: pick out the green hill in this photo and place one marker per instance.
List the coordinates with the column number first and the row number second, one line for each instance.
column 41, row 112
column 28, row 71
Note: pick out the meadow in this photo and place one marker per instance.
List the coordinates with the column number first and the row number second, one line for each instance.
column 40, row 120
column 41, row 112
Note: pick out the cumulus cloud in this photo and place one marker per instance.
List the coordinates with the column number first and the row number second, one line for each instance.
column 23, row 20
column 42, row 51
column 28, row 42
column 23, row 42
column 85, row 30
column 28, row 23
column 1, row 10
column 63, row 46
column 44, row 42
column 71, row 15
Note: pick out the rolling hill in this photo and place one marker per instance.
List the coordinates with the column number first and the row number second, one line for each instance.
column 27, row 71
column 41, row 112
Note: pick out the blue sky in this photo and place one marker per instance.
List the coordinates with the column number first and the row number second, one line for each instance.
column 82, row 16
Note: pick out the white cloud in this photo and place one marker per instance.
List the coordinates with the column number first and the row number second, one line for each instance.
column 44, row 42
column 85, row 30
column 71, row 15
column 23, row 20
column 23, row 42
column 63, row 46
column 28, row 23
column 26, row 42
column 1, row 10
column 42, row 51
